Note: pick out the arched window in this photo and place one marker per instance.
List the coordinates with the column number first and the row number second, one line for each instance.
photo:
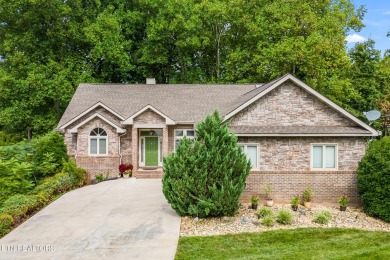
column 98, row 141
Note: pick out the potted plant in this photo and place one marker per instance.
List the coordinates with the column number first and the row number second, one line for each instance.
column 255, row 201
column 125, row 170
column 343, row 201
column 267, row 191
column 122, row 169
column 307, row 196
column 295, row 202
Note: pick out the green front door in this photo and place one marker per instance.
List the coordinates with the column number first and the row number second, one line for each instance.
column 151, row 151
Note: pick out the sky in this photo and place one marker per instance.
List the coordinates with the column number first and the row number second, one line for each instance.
column 377, row 21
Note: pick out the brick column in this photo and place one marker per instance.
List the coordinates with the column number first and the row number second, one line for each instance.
column 165, row 141
column 134, row 152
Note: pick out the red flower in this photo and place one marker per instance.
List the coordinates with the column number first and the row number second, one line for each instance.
column 129, row 167
column 122, row 167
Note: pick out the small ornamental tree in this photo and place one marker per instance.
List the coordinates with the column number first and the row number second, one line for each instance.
column 206, row 176
column 374, row 179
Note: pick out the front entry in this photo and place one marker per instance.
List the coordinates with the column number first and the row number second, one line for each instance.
column 151, row 151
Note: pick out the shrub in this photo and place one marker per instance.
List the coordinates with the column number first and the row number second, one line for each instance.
column 6, row 222
column 71, row 177
column 343, row 200
column 206, row 176
column 43, row 198
column 323, row 217
column 14, row 178
column 264, row 212
column 49, row 154
column 374, row 179
column 9, row 139
column 99, row 177
column 254, row 200
column 307, row 194
column 295, row 200
column 268, row 221
column 284, row 217
column 19, row 205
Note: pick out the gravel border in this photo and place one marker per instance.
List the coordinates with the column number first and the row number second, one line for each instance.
column 352, row 218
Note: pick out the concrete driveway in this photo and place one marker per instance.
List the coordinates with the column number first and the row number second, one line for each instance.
column 119, row 219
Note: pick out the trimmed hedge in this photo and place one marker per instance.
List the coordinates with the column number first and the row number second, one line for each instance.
column 374, row 179
column 6, row 222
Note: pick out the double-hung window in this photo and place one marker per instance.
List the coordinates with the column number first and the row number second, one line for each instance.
column 179, row 134
column 252, row 153
column 98, row 142
column 324, row 156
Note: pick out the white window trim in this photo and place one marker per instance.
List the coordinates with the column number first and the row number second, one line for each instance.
column 181, row 137
column 257, row 150
column 160, row 141
column 97, row 145
column 324, row 156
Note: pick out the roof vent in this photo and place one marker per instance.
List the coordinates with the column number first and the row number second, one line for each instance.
column 150, row 81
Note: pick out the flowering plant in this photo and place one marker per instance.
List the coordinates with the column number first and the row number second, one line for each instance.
column 295, row 200
column 343, row 200
column 125, row 168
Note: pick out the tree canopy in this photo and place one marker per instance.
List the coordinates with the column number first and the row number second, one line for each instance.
column 48, row 47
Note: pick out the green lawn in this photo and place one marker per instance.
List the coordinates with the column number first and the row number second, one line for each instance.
column 303, row 243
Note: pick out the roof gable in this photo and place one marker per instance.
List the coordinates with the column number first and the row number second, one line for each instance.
column 85, row 112
column 119, row 130
column 264, row 90
column 130, row 120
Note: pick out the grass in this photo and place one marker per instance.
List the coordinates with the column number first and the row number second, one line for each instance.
column 302, row 243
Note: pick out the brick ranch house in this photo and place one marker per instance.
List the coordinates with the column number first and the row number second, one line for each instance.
column 294, row 136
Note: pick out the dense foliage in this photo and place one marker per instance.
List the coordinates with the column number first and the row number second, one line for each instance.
column 18, row 206
column 6, row 222
column 206, row 177
column 48, row 47
column 23, row 165
column 374, row 179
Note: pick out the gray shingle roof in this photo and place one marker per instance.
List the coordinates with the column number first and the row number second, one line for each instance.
column 191, row 103
column 249, row 95
column 298, row 130
column 180, row 102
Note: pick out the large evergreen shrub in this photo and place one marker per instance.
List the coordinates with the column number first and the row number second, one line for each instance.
column 206, row 176
column 374, row 179
column 15, row 177
column 49, row 154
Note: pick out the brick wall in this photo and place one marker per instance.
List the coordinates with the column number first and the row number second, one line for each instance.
column 96, row 165
column 71, row 140
column 149, row 117
column 294, row 153
column 328, row 186
column 285, row 108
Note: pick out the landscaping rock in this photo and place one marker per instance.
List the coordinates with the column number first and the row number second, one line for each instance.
column 352, row 218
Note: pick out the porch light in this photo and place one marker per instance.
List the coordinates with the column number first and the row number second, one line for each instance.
column 152, row 132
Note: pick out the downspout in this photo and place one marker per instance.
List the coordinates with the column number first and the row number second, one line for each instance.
column 119, row 147
column 77, row 148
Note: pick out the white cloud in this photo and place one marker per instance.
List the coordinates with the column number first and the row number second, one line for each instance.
column 355, row 38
